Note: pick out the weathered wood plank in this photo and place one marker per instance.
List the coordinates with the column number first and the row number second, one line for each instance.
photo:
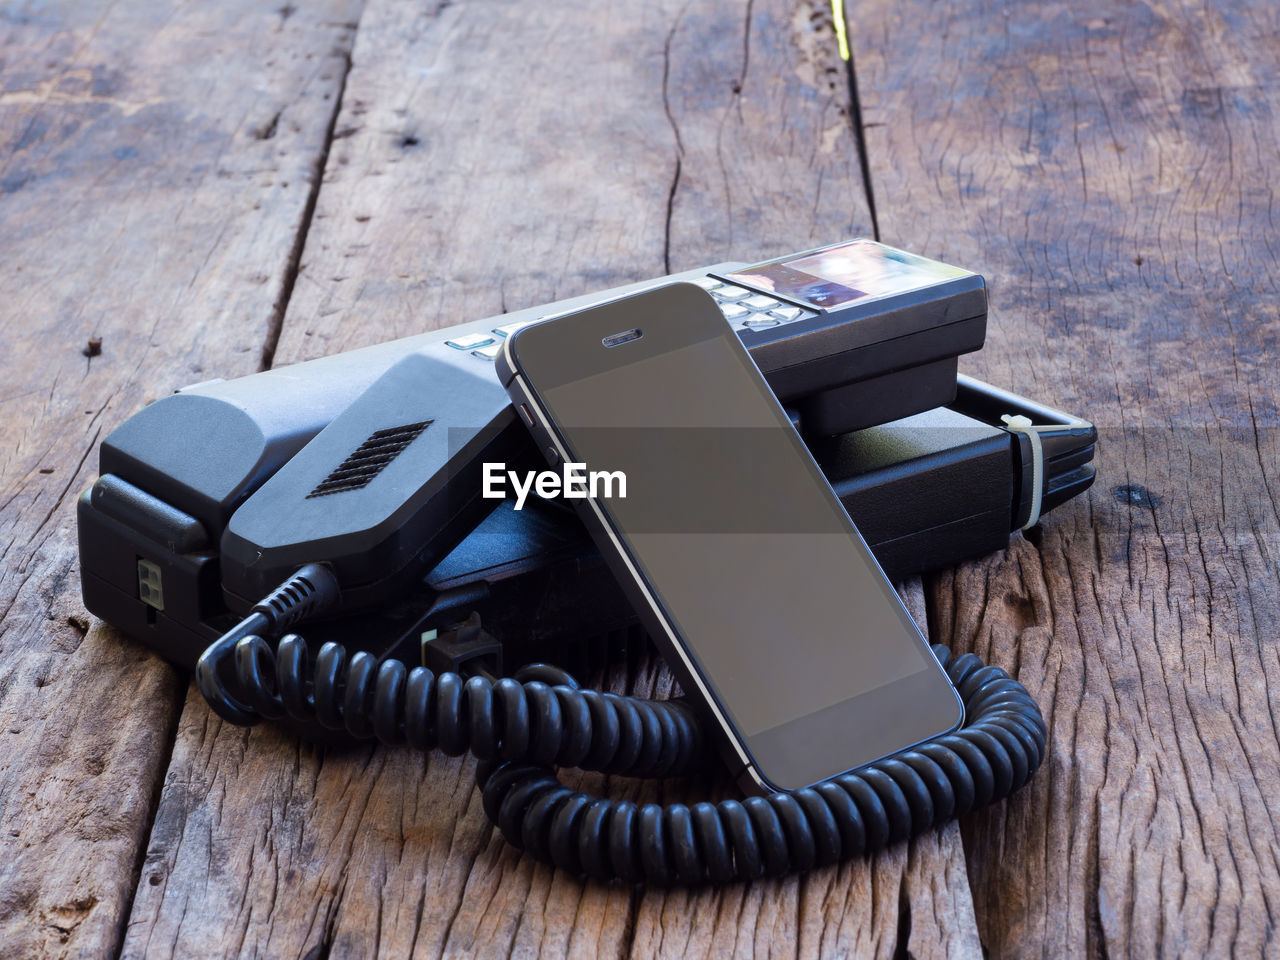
column 488, row 158
column 155, row 162
column 1109, row 170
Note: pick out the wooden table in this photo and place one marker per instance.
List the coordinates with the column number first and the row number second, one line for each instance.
column 212, row 189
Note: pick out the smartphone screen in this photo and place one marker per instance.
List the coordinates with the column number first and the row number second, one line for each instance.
column 776, row 600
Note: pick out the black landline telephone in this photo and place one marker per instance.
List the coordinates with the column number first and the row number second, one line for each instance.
column 347, row 489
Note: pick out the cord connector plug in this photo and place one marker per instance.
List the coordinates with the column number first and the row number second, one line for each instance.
column 312, row 590
column 465, row 649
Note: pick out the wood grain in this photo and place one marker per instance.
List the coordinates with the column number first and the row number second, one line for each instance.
column 1110, row 170
column 487, row 159
column 154, row 171
column 490, row 159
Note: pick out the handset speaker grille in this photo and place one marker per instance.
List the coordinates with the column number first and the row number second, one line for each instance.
column 369, row 459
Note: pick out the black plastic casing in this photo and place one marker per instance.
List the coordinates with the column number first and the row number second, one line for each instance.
column 218, row 451
column 879, row 360
column 926, row 491
column 175, row 474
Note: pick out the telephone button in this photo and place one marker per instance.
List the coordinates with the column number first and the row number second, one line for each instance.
column 510, row 328
column 470, row 341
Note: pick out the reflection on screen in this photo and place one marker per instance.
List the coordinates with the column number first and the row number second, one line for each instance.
column 846, row 273
column 737, row 532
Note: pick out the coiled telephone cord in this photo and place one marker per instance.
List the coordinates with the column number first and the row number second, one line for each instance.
column 521, row 728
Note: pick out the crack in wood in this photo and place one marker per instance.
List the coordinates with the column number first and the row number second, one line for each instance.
column 275, row 325
column 859, row 127
column 675, row 132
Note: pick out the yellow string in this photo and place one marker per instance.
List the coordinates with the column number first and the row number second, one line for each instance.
column 842, row 35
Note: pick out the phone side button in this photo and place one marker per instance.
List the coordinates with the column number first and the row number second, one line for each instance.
column 525, row 415
column 553, row 456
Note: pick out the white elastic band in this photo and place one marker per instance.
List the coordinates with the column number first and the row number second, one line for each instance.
column 1023, row 425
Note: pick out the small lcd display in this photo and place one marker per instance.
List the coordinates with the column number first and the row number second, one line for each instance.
column 846, row 273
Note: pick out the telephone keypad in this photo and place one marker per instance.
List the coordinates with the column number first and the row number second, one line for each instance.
column 754, row 311
column 743, row 308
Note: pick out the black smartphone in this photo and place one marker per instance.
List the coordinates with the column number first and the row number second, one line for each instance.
column 726, row 537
